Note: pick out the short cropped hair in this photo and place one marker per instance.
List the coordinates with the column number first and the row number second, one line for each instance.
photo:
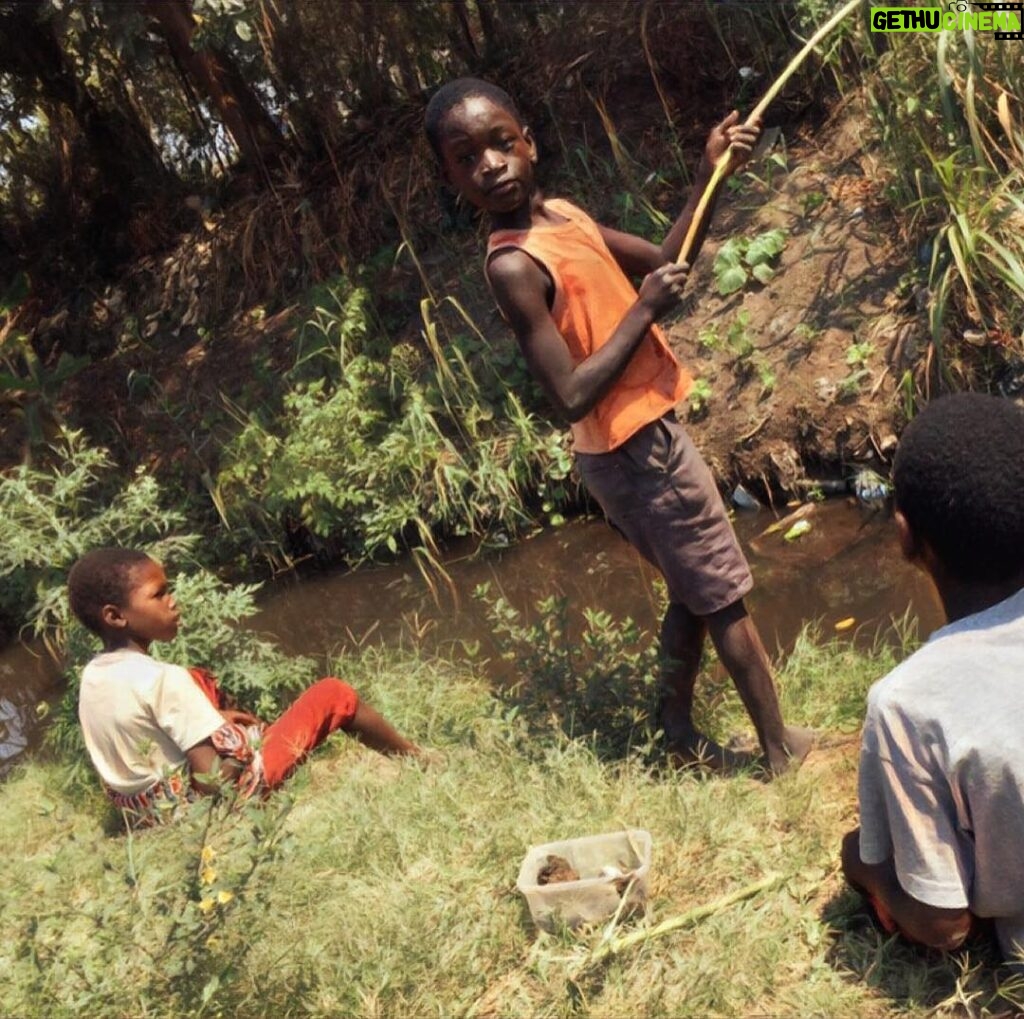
column 959, row 481
column 101, row 577
column 454, row 92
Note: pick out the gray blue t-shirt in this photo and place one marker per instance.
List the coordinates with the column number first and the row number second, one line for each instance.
column 941, row 782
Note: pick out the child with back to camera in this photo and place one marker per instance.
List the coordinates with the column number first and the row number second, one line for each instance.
column 591, row 341
column 941, row 781
column 159, row 734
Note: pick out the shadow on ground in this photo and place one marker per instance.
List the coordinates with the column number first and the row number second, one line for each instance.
column 969, row 982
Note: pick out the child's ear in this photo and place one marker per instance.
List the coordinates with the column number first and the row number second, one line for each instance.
column 113, row 617
column 909, row 544
column 529, row 139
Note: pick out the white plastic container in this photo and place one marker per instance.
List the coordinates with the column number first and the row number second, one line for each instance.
column 595, row 896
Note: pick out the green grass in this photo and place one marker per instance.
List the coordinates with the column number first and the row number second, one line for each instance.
column 388, row 889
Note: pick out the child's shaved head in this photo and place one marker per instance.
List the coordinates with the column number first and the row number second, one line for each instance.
column 959, row 481
column 454, row 92
column 101, row 577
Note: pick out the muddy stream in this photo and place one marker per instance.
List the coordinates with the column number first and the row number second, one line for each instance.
column 847, row 565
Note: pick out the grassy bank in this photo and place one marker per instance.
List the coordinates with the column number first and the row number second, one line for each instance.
column 372, row 888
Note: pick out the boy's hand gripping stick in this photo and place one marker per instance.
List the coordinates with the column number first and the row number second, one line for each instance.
column 700, row 214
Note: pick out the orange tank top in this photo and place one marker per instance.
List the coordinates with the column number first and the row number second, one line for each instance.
column 592, row 295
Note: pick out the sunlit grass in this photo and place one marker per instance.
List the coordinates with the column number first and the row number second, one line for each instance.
column 393, row 893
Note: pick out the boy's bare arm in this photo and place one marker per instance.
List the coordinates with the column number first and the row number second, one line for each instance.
column 731, row 136
column 638, row 257
column 520, row 288
column 203, row 759
column 930, row 925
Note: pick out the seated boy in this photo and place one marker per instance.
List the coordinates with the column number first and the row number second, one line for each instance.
column 152, row 729
column 941, row 783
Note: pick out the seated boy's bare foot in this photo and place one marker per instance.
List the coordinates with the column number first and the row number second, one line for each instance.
column 796, row 746
column 429, row 757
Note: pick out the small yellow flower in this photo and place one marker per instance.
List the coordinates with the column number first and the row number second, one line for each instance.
column 207, row 855
column 207, row 875
column 206, row 904
column 224, row 896
column 213, row 941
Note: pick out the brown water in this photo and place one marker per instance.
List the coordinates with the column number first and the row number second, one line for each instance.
column 847, row 565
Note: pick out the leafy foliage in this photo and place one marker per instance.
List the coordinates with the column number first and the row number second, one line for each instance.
column 740, row 257
column 391, row 444
column 597, row 681
column 50, row 516
column 738, row 337
column 699, row 396
column 946, row 110
column 176, row 912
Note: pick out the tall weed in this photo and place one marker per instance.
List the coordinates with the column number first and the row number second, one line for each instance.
column 591, row 676
column 948, row 110
column 392, row 445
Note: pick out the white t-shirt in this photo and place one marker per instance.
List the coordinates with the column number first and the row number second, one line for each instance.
column 941, row 782
column 139, row 717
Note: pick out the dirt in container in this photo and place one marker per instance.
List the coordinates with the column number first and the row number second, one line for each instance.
column 555, row 870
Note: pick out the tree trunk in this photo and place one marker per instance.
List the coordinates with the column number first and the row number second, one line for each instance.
column 462, row 39
column 119, row 146
column 491, row 29
column 398, row 53
column 373, row 83
column 217, row 76
column 285, row 49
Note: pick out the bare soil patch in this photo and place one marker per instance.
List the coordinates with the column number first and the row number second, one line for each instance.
column 837, row 284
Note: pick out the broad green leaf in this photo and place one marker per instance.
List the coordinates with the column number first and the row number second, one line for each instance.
column 765, row 247
column 731, row 279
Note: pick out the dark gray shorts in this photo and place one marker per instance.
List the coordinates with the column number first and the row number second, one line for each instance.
column 656, row 489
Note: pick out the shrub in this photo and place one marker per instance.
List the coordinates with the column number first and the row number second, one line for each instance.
column 600, row 682
column 391, row 446
column 739, row 258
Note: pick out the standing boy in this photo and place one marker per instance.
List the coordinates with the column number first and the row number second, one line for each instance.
column 590, row 340
column 941, row 783
column 155, row 730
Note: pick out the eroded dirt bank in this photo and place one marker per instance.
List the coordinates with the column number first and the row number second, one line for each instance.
column 804, row 372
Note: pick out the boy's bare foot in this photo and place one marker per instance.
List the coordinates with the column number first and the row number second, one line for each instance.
column 796, row 746
column 429, row 757
column 695, row 750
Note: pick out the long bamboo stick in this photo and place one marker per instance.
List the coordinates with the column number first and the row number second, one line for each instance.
column 700, row 214
column 691, row 916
